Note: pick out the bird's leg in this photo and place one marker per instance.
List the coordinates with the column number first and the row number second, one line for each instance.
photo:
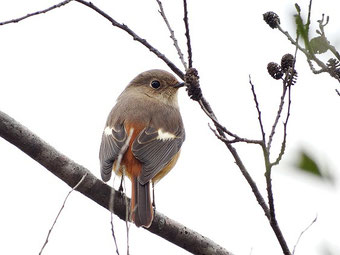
column 153, row 196
column 121, row 190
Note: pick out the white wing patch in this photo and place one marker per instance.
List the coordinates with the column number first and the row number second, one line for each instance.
column 165, row 135
column 108, row 131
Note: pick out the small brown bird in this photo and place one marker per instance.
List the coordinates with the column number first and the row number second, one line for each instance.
column 147, row 108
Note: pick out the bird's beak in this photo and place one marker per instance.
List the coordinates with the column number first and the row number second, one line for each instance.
column 179, row 85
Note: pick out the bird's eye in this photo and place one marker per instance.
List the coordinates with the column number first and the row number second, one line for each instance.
column 155, row 84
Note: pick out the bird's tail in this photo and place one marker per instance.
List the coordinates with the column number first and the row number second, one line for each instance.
column 141, row 207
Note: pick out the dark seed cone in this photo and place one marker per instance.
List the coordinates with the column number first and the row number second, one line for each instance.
column 287, row 61
column 272, row 19
column 334, row 67
column 274, row 70
column 337, row 73
column 333, row 63
column 191, row 79
column 292, row 77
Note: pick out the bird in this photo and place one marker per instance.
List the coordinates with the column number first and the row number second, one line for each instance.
column 145, row 127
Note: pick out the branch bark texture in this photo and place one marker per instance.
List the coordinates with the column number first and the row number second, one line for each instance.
column 71, row 173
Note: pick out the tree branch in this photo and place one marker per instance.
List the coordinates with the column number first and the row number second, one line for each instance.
column 71, row 173
column 162, row 226
column 61, row 209
column 135, row 37
column 187, row 32
column 172, row 34
column 36, row 13
column 124, row 27
column 259, row 116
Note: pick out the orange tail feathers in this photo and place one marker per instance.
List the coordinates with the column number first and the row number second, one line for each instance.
column 141, row 207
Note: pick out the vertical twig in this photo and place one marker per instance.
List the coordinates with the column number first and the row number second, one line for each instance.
column 309, row 15
column 288, row 82
column 172, row 34
column 283, row 145
column 127, row 216
column 278, row 115
column 116, row 170
column 113, row 234
column 258, row 111
column 187, row 32
column 61, row 209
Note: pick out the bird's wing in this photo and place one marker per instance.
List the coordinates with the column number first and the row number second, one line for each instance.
column 113, row 139
column 155, row 149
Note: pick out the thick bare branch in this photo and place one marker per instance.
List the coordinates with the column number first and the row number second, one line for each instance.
column 70, row 172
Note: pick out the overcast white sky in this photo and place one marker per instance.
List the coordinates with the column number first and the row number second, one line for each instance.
column 61, row 72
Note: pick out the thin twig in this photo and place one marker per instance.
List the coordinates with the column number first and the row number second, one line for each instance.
column 207, row 110
column 172, row 35
column 338, row 92
column 298, row 240
column 323, row 34
column 289, row 83
column 36, row 13
column 235, row 140
column 283, row 145
column 266, row 153
column 136, row 37
column 278, row 115
column 124, row 27
column 193, row 77
column 61, row 209
column 309, row 15
column 127, row 215
column 187, row 32
column 307, row 54
column 113, row 234
column 116, row 170
column 258, row 111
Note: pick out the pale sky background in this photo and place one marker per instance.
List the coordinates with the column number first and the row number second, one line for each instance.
column 60, row 74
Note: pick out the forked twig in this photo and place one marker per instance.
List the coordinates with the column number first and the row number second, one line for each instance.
column 288, row 82
column 124, row 27
column 61, row 209
column 235, row 140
